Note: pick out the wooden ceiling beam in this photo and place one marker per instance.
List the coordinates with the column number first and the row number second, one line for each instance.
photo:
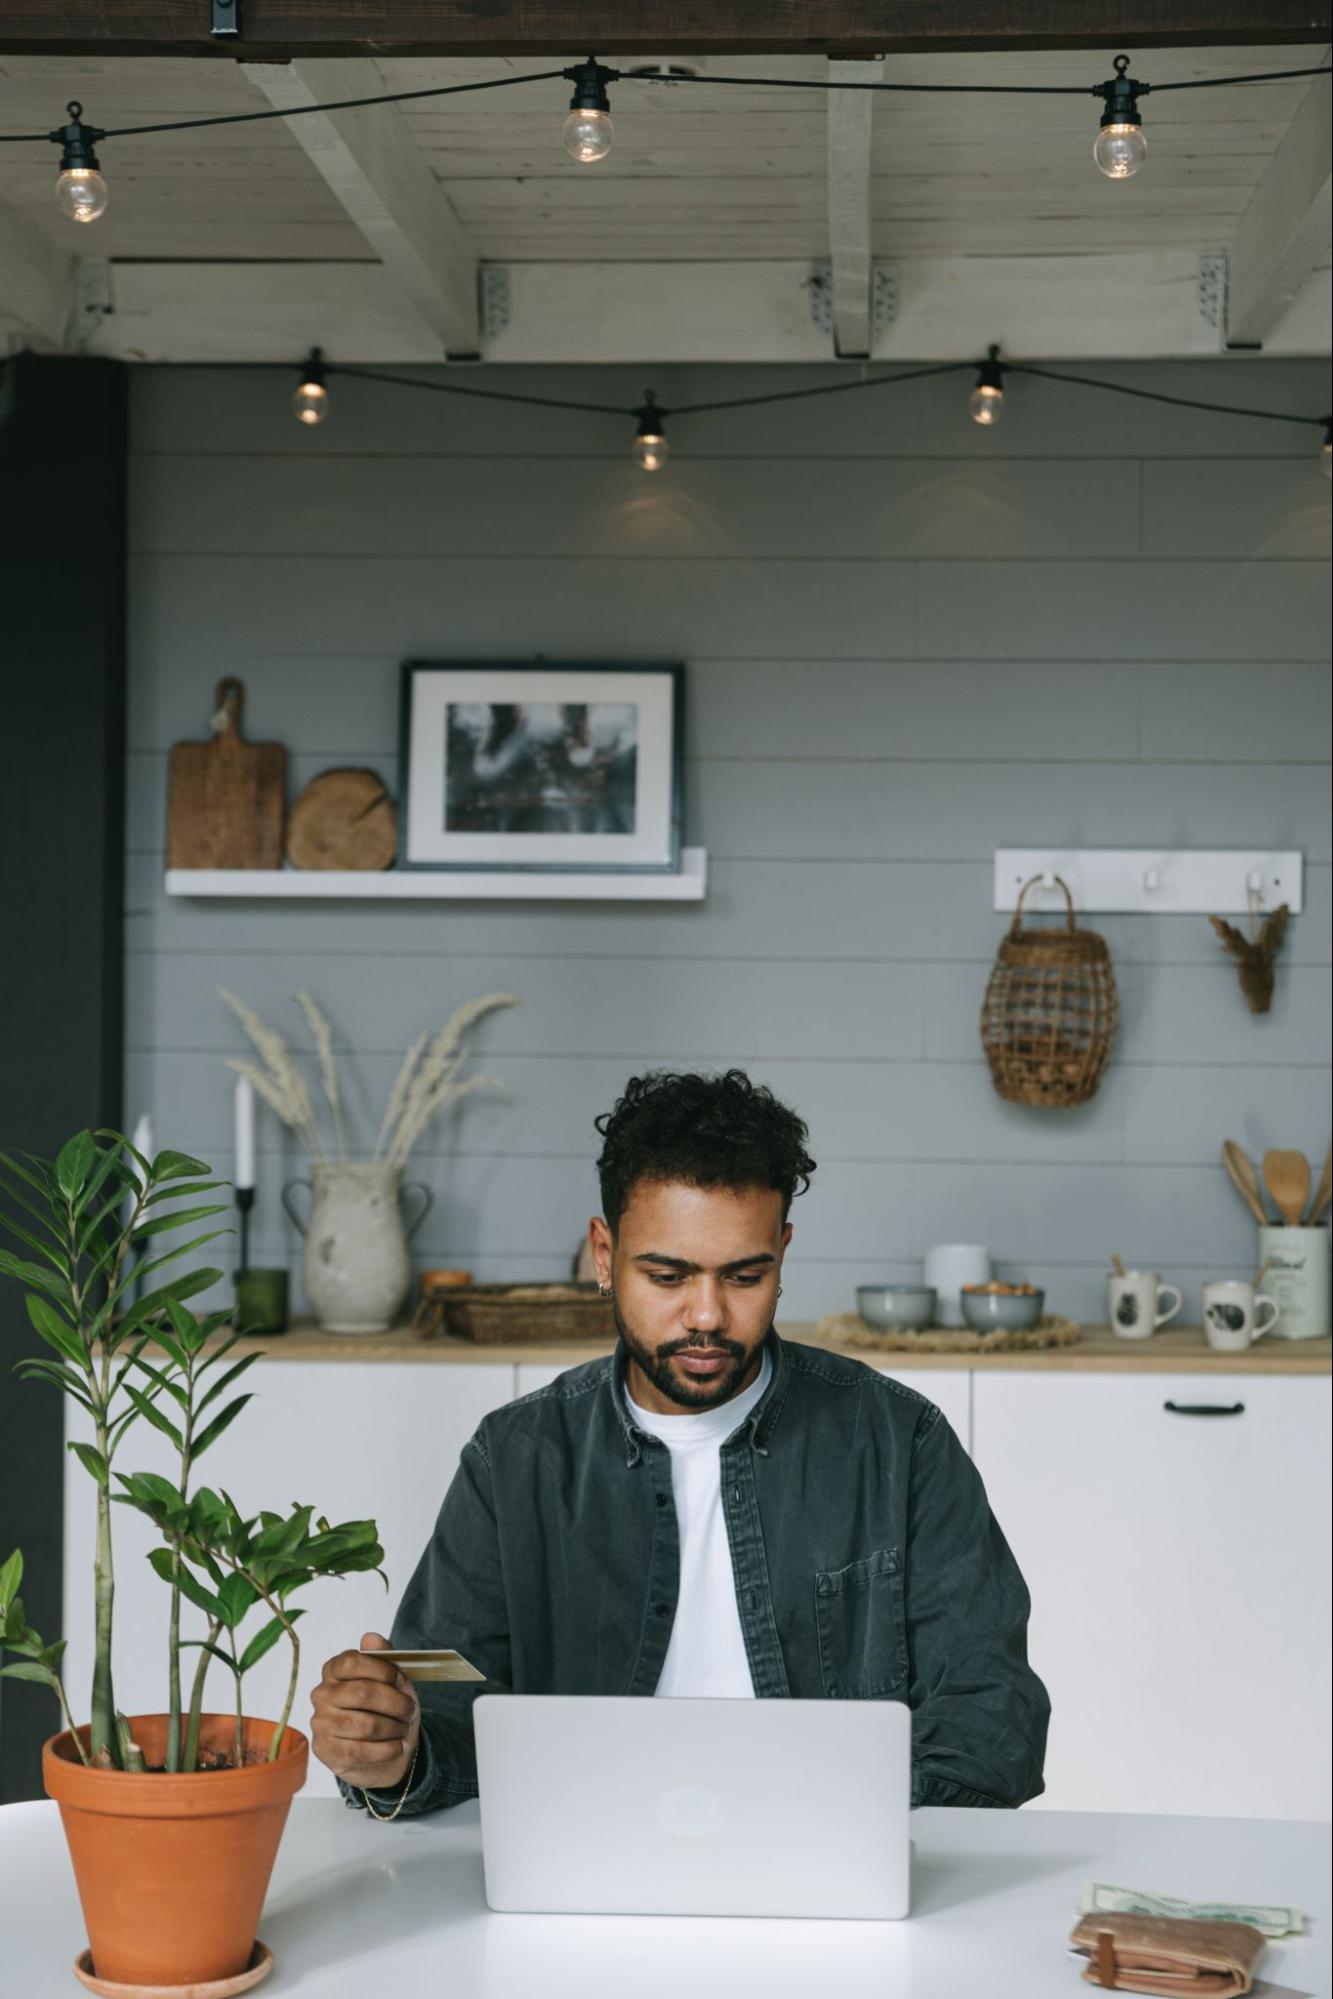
column 850, row 118
column 373, row 165
column 1283, row 233
column 36, row 285
column 285, row 29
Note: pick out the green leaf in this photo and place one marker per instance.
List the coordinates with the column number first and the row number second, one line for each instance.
column 63, row 1377
column 189, row 1332
column 74, row 1162
column 29, row 1670
column 184, row 1193
column 224, row 1381
column 130, row 1152
column 163, row 1382
column 179, row 1166
column 109, row 1166
column 160, row 1223
column 156, row 1301
column 158, row 1262
column 57, row 1261
column 152, row 1495
column 284, row 1535
column 92, row 1461
column 11, row 1575
column 207, row 1645
column 236, row 1596
column 212, row 1431
column 34, row 1172
column 55, row 1330
column 152, row 1414
column 189, row 1584
column 32, row 1273
column 264, row 1640
column 223, row 1347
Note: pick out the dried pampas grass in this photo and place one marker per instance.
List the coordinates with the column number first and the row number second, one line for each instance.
column 425, row 1087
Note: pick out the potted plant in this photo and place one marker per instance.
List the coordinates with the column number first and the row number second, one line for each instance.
column 172, row 1819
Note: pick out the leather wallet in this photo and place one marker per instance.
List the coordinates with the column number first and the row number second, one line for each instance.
column 1166, row 1955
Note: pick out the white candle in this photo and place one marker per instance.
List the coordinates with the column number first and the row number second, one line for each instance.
column 244, row 1175
column 142, row 1140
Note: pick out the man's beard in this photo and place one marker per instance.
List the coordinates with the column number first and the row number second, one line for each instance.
column 656, row 1364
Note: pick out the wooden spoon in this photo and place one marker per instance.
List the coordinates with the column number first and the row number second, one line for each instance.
column 1244, row 1179
column 1287, row 1178
column 1323, row 1193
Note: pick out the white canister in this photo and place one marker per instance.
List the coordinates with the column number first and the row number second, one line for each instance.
column 949, row 1266
column 1297, row 1277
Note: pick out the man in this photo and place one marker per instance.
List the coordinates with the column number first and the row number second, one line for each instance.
column 710, row 1510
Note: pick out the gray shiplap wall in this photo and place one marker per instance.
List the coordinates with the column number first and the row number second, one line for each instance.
column 908, row 642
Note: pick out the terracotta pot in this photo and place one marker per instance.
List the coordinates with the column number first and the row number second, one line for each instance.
column 172, row 1871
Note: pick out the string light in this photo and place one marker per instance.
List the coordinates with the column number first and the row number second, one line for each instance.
column 80, row 189
column 651, row 449
column 1120, row 147
column 310, row 403
column 1326, row 448
column 985, row 405
column 588, row 131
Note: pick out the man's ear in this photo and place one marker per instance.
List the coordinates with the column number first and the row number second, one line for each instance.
column 602, row 1244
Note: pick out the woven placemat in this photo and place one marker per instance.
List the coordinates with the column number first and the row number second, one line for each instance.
column 846, row 1329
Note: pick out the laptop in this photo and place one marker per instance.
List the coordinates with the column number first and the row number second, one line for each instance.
column 594, row 1805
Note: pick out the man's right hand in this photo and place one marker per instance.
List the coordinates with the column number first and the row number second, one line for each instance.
column 366, row 1718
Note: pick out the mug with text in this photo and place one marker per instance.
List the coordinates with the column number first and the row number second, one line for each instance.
column 1231, row 1314
column 1134, row 1304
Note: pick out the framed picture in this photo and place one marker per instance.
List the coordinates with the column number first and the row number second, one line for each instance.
column 568, row 767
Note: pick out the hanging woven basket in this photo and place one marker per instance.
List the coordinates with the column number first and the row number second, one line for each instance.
column 1049, row 1016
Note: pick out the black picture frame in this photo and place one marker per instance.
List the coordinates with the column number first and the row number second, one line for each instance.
column 671, row 758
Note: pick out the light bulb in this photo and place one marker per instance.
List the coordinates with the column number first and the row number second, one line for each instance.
column 1120, row 147
column 588, row 130
column 1120, row 150
column 985, row 405
column 82, row 193
column 80, row 189
column 310, row 402
column 650, row 447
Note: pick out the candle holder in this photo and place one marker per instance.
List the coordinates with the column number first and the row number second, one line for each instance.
column 245, row 1200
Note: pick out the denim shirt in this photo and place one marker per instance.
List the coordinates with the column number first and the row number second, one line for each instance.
column 868, row 1566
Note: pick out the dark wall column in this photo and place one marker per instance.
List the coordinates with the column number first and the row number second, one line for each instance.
column 63, row 425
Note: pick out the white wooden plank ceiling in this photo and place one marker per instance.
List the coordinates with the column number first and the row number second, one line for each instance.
column 367, row 234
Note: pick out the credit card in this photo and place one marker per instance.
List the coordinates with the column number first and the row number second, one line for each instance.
column 443, row 1665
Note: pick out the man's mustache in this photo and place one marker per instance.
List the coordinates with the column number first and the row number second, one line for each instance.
column 710, row 1345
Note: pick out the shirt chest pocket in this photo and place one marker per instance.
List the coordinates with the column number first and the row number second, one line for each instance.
column 861, row 1622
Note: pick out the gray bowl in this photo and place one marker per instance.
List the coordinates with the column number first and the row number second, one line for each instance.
column 998, row 1312
column 896, row 1308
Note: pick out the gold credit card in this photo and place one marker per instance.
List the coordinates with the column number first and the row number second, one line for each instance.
column 444, row 1665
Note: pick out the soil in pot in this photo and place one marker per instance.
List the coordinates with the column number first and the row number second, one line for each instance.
column 172, row 1870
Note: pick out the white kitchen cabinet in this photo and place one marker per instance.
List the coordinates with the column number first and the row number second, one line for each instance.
column 1179, row 1570
column 948, row 1388
column 358, row 1440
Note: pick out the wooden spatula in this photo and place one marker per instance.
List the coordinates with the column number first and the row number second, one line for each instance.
column 1323, row 1193
column 1244, row 1179
column 1287, row 1178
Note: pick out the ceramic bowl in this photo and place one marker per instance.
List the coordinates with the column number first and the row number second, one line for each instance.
column 1001, row 1312
column 896, row 1308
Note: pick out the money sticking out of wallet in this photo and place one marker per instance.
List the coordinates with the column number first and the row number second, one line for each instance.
column 425, row 1665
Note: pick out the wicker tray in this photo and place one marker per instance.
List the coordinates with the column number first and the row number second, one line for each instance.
column 846, row 1329
column 525, row 1314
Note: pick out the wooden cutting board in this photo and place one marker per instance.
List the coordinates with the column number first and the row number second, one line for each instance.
column 225, row 798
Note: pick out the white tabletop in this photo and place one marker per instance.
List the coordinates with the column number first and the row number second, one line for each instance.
column 356, row 1907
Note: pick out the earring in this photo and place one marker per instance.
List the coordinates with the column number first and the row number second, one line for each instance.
column 779, row 1290
column 603, row 1291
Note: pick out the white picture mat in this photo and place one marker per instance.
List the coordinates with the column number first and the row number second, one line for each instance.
column 432, row 692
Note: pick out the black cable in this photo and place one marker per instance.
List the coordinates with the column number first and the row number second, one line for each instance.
column 824, row 389
column 1153, row 395
column 481, row 395
column 627, row 76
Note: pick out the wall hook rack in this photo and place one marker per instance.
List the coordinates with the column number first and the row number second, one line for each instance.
column 1181, row 881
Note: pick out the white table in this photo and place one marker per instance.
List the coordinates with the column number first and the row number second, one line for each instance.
column 356, row 1907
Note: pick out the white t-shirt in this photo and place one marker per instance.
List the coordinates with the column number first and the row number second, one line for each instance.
column 706, row 1654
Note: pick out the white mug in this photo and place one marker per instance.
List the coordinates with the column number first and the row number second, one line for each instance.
column 1231, row 1314
column 949, row 1266
column 1133, row 1304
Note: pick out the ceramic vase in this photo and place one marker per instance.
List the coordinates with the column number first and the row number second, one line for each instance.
column 355, row 1266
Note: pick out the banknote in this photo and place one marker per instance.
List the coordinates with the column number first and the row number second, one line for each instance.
column 1272, row 1919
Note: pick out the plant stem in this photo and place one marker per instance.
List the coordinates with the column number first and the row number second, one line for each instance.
column 102, row 1733
column 276, row 1607
column 174, row 1620
column 240, row 1713
column 84, row 1757
column 191, row 1756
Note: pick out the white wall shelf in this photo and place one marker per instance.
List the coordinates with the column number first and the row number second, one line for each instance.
column 429, row 885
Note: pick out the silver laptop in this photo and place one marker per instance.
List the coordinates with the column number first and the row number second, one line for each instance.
column 616, row 1806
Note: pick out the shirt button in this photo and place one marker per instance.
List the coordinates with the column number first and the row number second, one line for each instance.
column 661, row 1499
column 736, row 1494
column 823, row 1587
column 661, row 1610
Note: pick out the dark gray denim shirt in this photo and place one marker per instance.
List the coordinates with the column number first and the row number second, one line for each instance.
column 868, row 1566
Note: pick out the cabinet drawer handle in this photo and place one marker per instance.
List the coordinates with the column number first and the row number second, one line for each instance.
column 1205, row 1408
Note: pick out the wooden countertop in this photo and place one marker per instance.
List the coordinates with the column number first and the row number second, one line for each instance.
column 1175, row 1350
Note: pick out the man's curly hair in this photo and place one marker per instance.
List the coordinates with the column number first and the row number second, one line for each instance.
column 710, row 1131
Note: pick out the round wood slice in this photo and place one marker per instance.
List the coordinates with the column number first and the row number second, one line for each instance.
column 343, row 819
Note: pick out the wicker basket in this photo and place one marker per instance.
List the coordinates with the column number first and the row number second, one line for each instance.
column 527, row 1314
column 1049, row 1016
